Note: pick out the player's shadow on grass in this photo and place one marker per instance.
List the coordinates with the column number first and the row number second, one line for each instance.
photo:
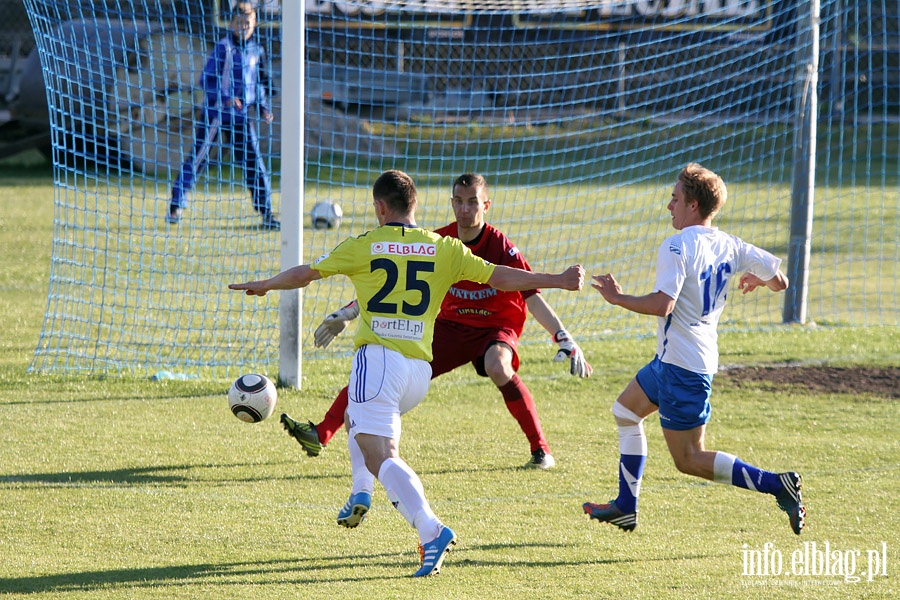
column 172, row 475
column 124, row 579
column 311, row 570
column 223, row 574
column 507, row 550
column 186, row 394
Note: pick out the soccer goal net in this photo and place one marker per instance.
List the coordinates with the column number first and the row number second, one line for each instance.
column 579, row 113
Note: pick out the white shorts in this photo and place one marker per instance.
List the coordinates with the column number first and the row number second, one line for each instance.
column 384, row 384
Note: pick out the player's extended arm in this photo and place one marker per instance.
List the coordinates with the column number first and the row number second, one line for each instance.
column 568, row 350
column 750, row 282
column 657, row 303
column 510, row 279
column 290, row 279
column 335, row 323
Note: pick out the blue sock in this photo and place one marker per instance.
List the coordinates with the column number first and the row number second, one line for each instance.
column 631, row 469
column 753, row 478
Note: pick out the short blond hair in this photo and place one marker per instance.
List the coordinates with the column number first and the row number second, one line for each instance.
column 704, row 186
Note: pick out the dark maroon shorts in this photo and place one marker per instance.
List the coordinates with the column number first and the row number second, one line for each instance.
column 455, row 345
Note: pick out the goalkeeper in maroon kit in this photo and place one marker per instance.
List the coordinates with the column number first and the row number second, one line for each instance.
column 477, row 324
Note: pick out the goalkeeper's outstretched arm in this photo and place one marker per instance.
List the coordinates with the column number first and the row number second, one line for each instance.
column 544, row 314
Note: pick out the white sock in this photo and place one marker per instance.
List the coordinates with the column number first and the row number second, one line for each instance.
column 402, row 483
column 363, row 480
column 723, row 465
column 401, row 508
column 632, row 439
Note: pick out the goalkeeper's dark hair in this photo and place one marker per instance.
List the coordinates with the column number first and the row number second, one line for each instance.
column 397, row 190
column 470, row 180
column 704, row 186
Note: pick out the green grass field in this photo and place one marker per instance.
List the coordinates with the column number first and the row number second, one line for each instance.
column 125, row 488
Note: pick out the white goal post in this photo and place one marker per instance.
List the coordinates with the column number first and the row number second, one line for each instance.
column 292, row 168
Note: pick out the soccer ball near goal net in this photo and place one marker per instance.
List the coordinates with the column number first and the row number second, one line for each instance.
column 325, row 215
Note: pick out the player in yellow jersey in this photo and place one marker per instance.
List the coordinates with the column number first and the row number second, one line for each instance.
column 401, row 274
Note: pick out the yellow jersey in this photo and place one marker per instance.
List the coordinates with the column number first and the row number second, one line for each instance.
column 401, row 275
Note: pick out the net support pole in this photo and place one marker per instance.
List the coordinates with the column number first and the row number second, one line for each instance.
column 836, row 93
column 804, row 167
column 293, row 28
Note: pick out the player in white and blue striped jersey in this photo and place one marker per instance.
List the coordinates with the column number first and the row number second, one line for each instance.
column 693, row 270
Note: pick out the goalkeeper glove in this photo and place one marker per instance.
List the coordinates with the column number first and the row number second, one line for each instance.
column 335, row 323
column 568, row 349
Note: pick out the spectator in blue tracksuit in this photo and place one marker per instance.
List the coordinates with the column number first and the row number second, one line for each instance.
column 234, row 79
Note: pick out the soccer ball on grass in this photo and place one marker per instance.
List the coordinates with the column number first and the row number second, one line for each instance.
column 326, row 215
column 252, row 398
